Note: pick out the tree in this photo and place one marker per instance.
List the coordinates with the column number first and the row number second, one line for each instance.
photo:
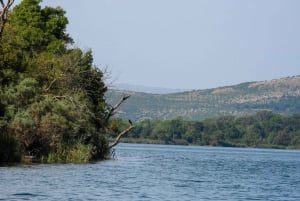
column 52, row 101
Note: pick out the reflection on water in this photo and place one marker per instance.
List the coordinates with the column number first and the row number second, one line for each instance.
column 161, row 172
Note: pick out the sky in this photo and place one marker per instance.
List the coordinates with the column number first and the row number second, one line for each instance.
column 188, row 44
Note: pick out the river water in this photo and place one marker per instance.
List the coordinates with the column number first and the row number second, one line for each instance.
column 162, row 172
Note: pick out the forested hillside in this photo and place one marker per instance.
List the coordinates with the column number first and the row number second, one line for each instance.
column 279, row 95
column 52, row 105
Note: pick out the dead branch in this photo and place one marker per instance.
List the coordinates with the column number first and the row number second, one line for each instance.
column 107, row 76
column 52, row 82
column 114, row 109
column 4, row 14
column 118, row 138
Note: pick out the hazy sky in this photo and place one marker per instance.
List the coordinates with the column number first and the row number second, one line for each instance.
column 189, row 44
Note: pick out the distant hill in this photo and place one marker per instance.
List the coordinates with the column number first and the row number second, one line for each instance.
column 278, row 95
column 146, row 89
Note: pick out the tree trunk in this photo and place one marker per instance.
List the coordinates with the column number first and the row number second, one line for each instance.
column 3, row 14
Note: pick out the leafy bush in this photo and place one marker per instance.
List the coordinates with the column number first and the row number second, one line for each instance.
column 52, row 104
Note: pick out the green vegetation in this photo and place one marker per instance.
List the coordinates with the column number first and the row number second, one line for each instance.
column 53, row 109
column 280, row 96
column 263, row 129
column 52, row 105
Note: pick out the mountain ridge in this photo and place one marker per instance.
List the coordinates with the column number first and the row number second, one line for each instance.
column 277, row 95
column 146, row 89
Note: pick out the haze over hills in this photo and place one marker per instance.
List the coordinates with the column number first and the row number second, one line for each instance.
column 278, row 95
column 146, row 89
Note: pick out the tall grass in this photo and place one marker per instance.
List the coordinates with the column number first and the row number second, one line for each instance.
column 78, row 153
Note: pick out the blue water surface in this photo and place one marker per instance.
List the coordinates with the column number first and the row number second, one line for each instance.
column 162, row 172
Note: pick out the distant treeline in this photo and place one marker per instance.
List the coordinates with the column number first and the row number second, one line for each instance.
column 263, row 129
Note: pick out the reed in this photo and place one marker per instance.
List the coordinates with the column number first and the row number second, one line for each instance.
column 78, row 153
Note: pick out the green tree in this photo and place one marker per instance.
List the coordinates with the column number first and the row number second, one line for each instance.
column 40, row 29
column 52, row 101
column 163, row 131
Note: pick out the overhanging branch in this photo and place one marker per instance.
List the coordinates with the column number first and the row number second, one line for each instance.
column 118, row 138
column 113, row 110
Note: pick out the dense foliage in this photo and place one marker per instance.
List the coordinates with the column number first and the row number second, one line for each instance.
column 264, row 129
column 51, row 95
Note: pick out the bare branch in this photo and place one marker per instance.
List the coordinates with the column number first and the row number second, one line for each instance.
column 115, row 108
column 52, row 82
column 118, row 138
column 107, row 76
column 3, row 14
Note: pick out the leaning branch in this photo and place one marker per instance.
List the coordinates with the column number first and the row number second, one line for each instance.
column 115, row 108
column 4, row 13
column 118, row 138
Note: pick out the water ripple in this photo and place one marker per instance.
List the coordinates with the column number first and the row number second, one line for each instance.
column 158, row 172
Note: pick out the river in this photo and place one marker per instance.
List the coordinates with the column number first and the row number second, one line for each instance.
column 162, row 172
